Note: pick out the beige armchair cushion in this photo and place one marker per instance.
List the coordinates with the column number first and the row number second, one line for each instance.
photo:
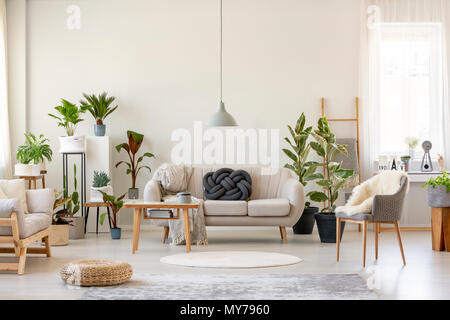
column 34, row 223
column 40, row 201
column 268, row 208
column 15, row 189
column 225, row 208
column 2, row 195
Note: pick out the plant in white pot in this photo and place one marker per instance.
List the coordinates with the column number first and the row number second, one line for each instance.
column 412, row 143
column 99, row 107
column 31, row 155
column 100, row 184
column 70, row 116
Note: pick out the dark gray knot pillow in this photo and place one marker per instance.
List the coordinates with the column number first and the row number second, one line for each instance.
column 227, row 184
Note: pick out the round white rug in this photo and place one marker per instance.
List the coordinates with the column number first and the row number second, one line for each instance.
column 231, row 259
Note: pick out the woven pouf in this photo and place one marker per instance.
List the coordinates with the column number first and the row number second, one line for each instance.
column 96, row 273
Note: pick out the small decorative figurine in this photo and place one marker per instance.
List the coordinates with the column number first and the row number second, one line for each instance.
column 441, row 162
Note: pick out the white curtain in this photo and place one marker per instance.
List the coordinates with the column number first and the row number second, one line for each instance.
column 403, row 78
column 5, row 149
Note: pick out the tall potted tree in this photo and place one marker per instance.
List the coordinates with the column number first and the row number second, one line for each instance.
column 330, row 182
column 304, row 169
column 132, row 147
column 69, row 117
column 99, row 107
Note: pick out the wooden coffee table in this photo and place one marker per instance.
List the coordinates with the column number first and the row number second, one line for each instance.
column 139, row 206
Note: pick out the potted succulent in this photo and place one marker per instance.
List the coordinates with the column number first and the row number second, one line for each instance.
column 330, row 182
column 412, row 143
column 304, row 169
column 438, row 191
column 69, row 117
column 76, row 230
column 31, row 155
column 116, row 205
column 99, row 107
column 59, row 230
column 132, row 147
column 100, row 183
column 405, row 161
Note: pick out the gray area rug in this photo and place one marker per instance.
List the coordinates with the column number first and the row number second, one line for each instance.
column 236, row 287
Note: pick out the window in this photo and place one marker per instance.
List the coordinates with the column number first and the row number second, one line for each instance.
column 409, row 83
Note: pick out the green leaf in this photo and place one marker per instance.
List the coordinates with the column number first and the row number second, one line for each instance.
column 313, row 177
column 318, row 148
column 290, row 155
column 343, row 174
column 324, row 183
column 102, row 218
column 317, row 196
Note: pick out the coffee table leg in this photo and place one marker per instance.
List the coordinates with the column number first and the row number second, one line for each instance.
column 136, row 229
column 187, row 233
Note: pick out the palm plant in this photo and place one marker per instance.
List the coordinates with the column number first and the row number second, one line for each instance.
column 132, row 147
column 34, row 150
column 69, row 116
column 99, row 106
column 334, row 176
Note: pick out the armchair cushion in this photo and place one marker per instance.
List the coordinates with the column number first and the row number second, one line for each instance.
column 356, row 216
column 268, row 208
column 15, row 189
column 6, row 208
column 2, row 195
column 40, row 201
column 34, row 223
column 225, row 208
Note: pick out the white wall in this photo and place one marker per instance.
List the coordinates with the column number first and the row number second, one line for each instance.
column 160, row 59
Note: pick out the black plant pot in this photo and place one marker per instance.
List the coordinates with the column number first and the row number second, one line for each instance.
column 305, row 224
column 326, row 224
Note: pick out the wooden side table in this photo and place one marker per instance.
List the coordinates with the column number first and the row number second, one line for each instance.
column 97, row 205
column 440, row 229
column 34, row 179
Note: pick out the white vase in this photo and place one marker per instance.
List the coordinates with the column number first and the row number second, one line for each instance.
column 72, row 144
column 412, row 153
column 22, row 170
column 97, row 196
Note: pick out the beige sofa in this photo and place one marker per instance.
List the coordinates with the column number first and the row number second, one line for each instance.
column 277, row 200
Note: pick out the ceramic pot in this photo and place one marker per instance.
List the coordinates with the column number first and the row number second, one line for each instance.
column 133, row 193
column 326, row 224
column 305, row 224
column 76, row 229
column 97, row 196
column 72, row 144
column 438, row 197
column 100, row 130
column 116, row 233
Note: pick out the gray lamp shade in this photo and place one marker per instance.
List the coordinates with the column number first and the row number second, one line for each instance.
column 221, row 118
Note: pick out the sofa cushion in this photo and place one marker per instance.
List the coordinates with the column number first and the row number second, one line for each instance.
column 40, row 200
column 268, row 208
column 35, row 222
column 2, row 195
column 15, row 189
column 227, row 184
column 225, row 208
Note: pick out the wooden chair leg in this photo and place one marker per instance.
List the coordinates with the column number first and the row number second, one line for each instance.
column 400, row 241
column 359, row 228
column 364, row 242
column 338, row 237
column 376, row 226
column 47, row 246
column 283, row 234
column 22, row 260
column 165, row 234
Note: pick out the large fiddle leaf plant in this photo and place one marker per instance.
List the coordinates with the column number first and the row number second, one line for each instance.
column 300, row 149
column 334, row 176
column 132, row 147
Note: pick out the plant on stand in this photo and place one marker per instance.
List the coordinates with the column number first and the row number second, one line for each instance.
column 72, row 208
column 438, row 190
column 100, row 107
column 132, row 147
column 100, row 183
column 69, row 117
column 412, row 143
column 31, row 155
column 331, row 181
column 115, row 205
column 304, row 169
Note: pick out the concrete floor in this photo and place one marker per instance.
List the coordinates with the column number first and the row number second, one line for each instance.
column 426, row 275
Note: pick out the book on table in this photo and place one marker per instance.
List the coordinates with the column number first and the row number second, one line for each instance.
column 159, row 213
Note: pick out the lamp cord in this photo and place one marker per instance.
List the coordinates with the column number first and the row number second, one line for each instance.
column 221, row 51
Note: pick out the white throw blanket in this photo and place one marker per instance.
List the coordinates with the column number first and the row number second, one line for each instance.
column 387, row 182
column 174, row 179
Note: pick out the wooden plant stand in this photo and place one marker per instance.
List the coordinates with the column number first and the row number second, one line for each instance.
column 440, row 229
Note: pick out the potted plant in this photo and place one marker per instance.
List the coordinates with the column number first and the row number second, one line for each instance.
column 438, row 190
column 115, row 205
column 73, row 206
column 69, row 118
column 99, row 107
column 304, row 169
column 412, row 143
column 59, row 230
column 100, row 183
column 132, row 147
column 31, row 155
column 331, row 181
column 405, row 161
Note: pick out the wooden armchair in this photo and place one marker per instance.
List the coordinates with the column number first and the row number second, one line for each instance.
column 20, row 230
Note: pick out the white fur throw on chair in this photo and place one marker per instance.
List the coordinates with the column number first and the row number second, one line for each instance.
column 387, row 182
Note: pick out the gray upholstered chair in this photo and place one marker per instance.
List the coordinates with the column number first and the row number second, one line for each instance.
column 386, row 209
